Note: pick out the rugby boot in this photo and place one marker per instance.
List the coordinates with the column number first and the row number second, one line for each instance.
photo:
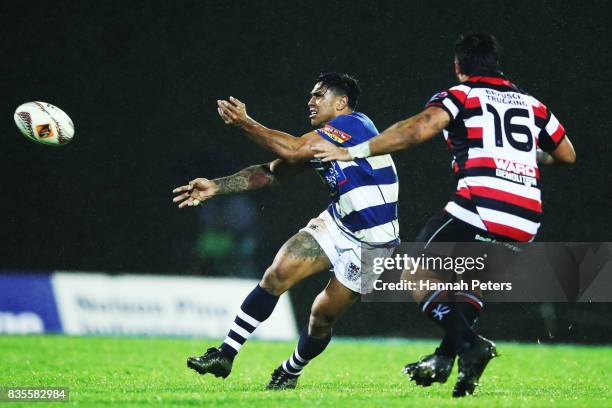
column 282, row 380
column 430, row 369
column 213, row 361
column 472, row 363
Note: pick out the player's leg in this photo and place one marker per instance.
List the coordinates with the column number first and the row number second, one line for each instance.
column 468, row 304
column 455, row 312
column 300, row 257
column 327, row 308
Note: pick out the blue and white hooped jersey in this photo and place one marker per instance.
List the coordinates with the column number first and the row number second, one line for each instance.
column 364, row 192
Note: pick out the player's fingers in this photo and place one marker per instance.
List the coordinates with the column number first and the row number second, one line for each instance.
column 318, row 147
column 225, row 111
column 190, row 202
column 227, row 116
column 180, row 197
column 182, row 188
column 224, row 116
column 230, row 107
column 192, row 184
column 325, row 157
column 236, row 101
column 185, row 202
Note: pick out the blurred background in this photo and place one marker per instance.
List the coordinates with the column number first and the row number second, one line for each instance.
column 140, row 80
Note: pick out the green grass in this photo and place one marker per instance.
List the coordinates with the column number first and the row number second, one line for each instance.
column 152, row 371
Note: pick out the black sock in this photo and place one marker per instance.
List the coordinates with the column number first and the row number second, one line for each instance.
column 308, row 348
column 469, row 305
column 257, row 307
column 444, row 313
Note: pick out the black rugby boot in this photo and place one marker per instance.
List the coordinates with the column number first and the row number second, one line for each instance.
column 214, row 362
column 430, row 369
column 472, row 363
column 281, row 380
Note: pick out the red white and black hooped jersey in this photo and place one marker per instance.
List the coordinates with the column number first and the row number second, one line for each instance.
column 494, row 131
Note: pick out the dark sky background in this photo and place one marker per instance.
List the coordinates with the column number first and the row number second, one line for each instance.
column 140, row 79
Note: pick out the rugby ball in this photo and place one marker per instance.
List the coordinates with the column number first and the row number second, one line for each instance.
column 44, row 123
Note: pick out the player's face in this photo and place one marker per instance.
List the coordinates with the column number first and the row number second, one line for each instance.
column 322, row 105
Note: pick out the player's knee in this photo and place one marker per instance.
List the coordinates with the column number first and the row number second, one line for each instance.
column 277, row 279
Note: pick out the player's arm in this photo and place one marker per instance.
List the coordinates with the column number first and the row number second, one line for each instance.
column 563, row 154
column 554, row 146
column 290, row 148
column 402, row 135
column 252, row 178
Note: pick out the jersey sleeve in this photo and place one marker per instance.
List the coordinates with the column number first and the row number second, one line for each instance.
column 344, row 131
column 552, row 133
column 452, row 100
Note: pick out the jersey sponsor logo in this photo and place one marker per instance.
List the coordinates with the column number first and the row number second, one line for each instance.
column 336, row 134
column 517, row 172
column 506, row 98
column 517, row 168
column 517, row 178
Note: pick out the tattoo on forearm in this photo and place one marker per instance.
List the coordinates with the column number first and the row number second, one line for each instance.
column 232, row 184
column 303, row 245
column 251, row 178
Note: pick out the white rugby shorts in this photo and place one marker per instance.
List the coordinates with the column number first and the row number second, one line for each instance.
column 351, row 259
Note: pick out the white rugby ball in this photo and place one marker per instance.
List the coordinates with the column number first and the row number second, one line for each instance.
column 44, row 123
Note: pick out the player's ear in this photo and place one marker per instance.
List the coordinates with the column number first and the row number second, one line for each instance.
column 458, row 72
column 342, row 102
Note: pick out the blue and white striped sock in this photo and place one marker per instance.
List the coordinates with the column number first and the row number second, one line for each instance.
column 295, row 364
column 308, row 348
column 257, row 307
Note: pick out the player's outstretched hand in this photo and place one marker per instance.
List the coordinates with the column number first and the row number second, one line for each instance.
column 232, row 111
column 195, row 192
column 328, row 152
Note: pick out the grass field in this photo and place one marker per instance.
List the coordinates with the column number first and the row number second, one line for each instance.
column 152, row 371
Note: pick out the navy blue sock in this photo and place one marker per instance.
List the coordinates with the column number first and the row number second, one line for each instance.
column 257, row 307
column 308, row 348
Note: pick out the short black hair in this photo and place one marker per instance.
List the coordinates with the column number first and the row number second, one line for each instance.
column 477, row 52
column 342, row 84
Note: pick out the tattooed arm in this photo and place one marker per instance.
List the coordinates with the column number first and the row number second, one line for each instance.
column 402, row 135
column 251, row 178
